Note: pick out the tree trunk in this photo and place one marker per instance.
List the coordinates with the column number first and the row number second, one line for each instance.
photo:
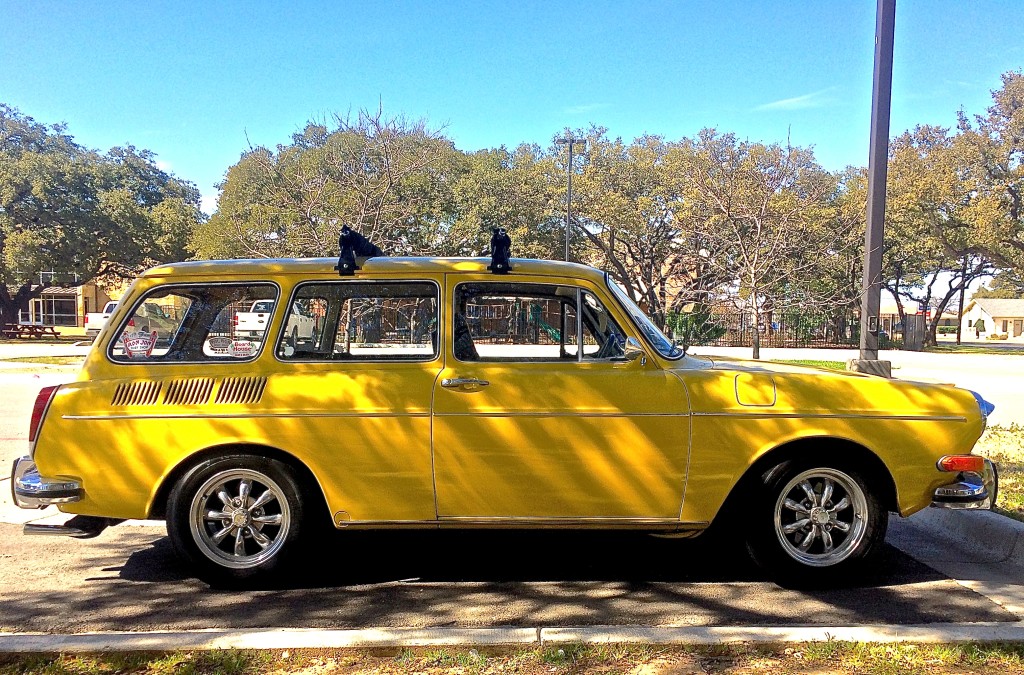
column 757, row 332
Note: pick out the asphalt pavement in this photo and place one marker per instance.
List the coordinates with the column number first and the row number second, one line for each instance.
column 128, row 579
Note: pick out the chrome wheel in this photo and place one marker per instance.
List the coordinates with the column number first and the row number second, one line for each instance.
column 239, row 518
column 821, row 516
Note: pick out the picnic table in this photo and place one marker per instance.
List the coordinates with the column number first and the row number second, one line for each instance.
column 17, row 330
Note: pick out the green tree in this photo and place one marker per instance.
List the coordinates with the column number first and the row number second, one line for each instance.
column 1005, row 284
column 766, row 220
column 932, row 248
column 992, row 148
column 627, row 197
column 388, row 178
column 80, row 214
column 510, row 189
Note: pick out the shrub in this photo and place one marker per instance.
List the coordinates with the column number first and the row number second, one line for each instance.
column 946, row 330
column 996, row 336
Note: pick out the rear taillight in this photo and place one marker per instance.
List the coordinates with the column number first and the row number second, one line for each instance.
column 958, row 463
column 39, row 410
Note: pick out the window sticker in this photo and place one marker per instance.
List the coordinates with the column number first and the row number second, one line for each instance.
column 242, row 349
column 138, row 345
column 221, row 346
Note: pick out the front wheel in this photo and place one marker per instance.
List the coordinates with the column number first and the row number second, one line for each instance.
column 236, row 517
column 816, row 523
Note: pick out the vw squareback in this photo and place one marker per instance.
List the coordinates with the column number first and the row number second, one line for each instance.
column 436, row 393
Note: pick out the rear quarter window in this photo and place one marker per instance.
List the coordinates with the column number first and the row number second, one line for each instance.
column 192, row 323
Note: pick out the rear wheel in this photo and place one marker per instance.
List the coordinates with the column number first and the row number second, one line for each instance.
column 236, row 517
column 815, row 523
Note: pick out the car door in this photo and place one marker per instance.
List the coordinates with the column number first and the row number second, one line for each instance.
column 359, row 393
column 527, row 427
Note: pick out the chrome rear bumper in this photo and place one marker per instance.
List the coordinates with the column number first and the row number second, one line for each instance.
column 971, row 491
column 32, row 491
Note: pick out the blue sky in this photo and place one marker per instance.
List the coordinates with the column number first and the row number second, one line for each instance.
column 197, row 82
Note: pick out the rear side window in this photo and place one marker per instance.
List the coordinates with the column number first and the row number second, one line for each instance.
column 194, row 322
column 361, row 321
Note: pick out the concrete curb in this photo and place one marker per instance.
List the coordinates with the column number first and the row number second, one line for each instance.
column 298, row 638
column 265, row 638
column 998, row 537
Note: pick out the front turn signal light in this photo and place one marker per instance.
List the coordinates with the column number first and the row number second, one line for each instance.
column 958, row 463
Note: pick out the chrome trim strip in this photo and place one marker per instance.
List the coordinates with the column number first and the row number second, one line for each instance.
column 564, row 414
column 509, row 522
column 243, row 416
column 858, row 416
column 596, row 520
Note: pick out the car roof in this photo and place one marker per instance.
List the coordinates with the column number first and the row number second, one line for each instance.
column 371, row 266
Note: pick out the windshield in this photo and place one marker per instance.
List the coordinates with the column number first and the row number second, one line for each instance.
column 654, row 336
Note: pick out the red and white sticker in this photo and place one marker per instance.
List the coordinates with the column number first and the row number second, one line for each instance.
column 138, row 345
column 241, row 349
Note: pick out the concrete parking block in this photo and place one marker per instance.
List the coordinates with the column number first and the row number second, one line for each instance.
column 705, row 635
column 291, row 638
column 269, row 638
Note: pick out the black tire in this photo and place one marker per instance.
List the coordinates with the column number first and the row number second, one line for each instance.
column 798, row 536
column 259, row 535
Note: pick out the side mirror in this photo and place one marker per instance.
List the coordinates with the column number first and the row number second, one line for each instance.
column 634, row 350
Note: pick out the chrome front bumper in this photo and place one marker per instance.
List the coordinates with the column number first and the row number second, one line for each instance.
column 32, row 491
column 971, row 490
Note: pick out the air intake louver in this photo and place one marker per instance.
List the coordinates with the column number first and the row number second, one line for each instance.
column 241, row 390
column 136, row 393
column 189, row 392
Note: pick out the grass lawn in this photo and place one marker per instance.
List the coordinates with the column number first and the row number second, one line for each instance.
column 48, row 360
column 817, row 363
column 1005, row 446
column 953, row 348
column 818, row 657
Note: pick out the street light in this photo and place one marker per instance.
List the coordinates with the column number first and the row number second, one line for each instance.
column 570, row 141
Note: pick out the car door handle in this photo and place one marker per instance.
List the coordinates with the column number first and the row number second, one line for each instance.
column 460, row 382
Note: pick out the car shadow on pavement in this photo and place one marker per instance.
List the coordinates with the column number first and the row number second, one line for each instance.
column 466, row 579
column 366, row 558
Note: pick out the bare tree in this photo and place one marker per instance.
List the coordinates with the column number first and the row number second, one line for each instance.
column 765, row 216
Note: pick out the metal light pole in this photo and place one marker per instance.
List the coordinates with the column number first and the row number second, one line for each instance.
column 570, row 141
column 878, row 159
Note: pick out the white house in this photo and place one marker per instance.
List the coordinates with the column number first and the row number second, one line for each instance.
column 1000, row 316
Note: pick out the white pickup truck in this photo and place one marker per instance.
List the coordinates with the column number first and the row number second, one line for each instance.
column 254, row 323
column 95, row 321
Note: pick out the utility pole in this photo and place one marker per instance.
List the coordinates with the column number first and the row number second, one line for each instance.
column 878, row 158
column 570, row 141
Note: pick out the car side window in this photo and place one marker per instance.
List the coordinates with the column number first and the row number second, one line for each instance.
column 531, row 322
column 361, row 321
column 192, row 322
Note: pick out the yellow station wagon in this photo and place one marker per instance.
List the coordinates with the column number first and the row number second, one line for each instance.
column 436, row 393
